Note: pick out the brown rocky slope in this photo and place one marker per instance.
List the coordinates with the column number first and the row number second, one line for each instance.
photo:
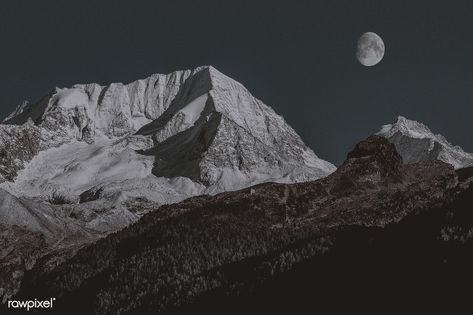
column 352, row 241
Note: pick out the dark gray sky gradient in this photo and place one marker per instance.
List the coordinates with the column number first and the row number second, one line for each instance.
column 297, row 56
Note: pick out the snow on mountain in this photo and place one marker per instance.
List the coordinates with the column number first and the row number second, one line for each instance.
column 161, row 139
column 84, row 113
column 415, row 142
column 235, row 138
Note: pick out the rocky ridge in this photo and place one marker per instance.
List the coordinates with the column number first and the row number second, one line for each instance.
column 236, row 241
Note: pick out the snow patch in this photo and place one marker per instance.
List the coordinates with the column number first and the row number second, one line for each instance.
column 193, row 110
column 70, row 98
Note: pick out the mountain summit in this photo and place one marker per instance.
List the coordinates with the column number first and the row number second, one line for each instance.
column 216, row 132
column 415, row 142
column 161, row 139
column 198, row 126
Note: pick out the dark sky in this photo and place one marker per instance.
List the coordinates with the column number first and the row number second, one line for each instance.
column 297, row 56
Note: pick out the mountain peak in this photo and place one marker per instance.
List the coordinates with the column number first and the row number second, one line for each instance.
column 416, row 142
column 408, row 127
column 232, row 131
column 198, row 124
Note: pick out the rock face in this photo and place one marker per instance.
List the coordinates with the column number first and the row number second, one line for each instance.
column 370, row 210
column 18, row 145
column 415, row 142
column 19, row 249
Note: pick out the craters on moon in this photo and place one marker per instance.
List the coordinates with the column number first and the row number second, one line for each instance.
column 370, row 49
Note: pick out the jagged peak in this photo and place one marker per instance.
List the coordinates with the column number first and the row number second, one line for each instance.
column 414, row 129
column 424, row 144
column 214, row 74
column 217, row 80
column 407, row 127
column 225, row 96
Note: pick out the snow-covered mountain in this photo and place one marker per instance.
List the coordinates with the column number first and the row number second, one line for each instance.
column 161, row 139
column 88, row 160
column 415, row 142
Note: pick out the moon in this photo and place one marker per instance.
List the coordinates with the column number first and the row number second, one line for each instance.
column 370, row 49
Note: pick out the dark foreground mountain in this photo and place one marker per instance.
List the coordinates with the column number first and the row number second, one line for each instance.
column 375, row 236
